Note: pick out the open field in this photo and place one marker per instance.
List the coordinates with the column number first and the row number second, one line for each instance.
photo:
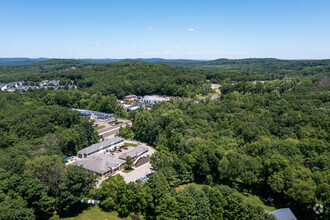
column 93, row 213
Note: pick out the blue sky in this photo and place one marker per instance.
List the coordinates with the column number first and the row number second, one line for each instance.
column 204, row 29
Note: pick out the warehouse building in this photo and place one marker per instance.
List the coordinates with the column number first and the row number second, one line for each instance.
column 153, row 99
column 130, row 107
column 102, row 147
column 93, row 115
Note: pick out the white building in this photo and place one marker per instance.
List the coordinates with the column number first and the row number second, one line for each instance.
column 152, row 99
column 130, row 107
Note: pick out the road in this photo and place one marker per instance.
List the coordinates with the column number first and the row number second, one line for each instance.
column 111, row 130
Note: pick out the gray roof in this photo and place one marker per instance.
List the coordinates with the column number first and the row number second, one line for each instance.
column 137, row 151
column 100, row 146
column 283, row 214
column 100, row 163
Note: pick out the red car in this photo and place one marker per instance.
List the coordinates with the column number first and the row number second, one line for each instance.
column 125, row 148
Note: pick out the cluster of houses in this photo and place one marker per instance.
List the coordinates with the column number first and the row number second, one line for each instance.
column 136, row 101
column 24, row 86
column 99, row 160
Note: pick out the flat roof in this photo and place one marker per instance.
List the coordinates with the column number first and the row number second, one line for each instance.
column 100, row 145
column 100, row 163
column 91, row 112
column 137, row 151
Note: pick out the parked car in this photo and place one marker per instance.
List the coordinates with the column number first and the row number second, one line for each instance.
column 149, row 174
column 126, row 148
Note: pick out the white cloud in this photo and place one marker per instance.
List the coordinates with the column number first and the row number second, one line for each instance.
column 191, row 29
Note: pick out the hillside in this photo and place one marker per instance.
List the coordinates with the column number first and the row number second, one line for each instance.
column 136, row 77
column 11, row 73
column 263, row 65
column 19, row 61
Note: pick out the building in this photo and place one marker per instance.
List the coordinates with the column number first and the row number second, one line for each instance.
column 283, row 214
column 131, row 97
column 101, row 164
column 102, row 147
column 130, row 107
column 94, row 115
column 134, row 153
column 153, row 99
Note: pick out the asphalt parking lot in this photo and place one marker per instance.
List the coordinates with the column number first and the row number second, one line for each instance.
column 140, row 171
column 137, row 173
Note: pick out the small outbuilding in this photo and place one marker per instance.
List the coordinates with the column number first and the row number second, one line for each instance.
column 283, row 214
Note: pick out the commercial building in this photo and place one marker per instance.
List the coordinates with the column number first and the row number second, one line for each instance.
column 130, row 107
column 102, row 147
column 153, row 99
column 93, row 115
column 131, row 97
column 134, row 153
column 101, row 164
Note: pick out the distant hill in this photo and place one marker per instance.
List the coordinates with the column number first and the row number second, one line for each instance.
column 147, row 60
column 216, row 70
column 262, row 66
column 20, row 61
column 9, row 73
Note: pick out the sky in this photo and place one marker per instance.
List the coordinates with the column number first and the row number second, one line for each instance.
column 172, row 29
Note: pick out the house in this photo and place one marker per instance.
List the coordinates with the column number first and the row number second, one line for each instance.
column 131, row 97
column 283, row 214
column 102, row 147
column 153, row 99
column 120, row 101
column 134, row 153
column 101, row 164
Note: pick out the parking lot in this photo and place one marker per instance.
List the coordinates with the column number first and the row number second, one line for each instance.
column 137, row 173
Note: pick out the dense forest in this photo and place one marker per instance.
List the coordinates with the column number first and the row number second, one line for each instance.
column 267, row 139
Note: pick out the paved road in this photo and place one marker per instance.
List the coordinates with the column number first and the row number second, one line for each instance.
column 111, row 130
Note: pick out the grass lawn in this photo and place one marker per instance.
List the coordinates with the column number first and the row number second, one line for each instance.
column 255, row 199
column 196, row 185
column 129, row 145
column 127, row 171
column 93, row 213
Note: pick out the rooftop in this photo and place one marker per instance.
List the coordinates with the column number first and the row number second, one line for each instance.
column 283, row 214
column 137, row 151
column 100, row 145
column 155, row 98
column 100, row 163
